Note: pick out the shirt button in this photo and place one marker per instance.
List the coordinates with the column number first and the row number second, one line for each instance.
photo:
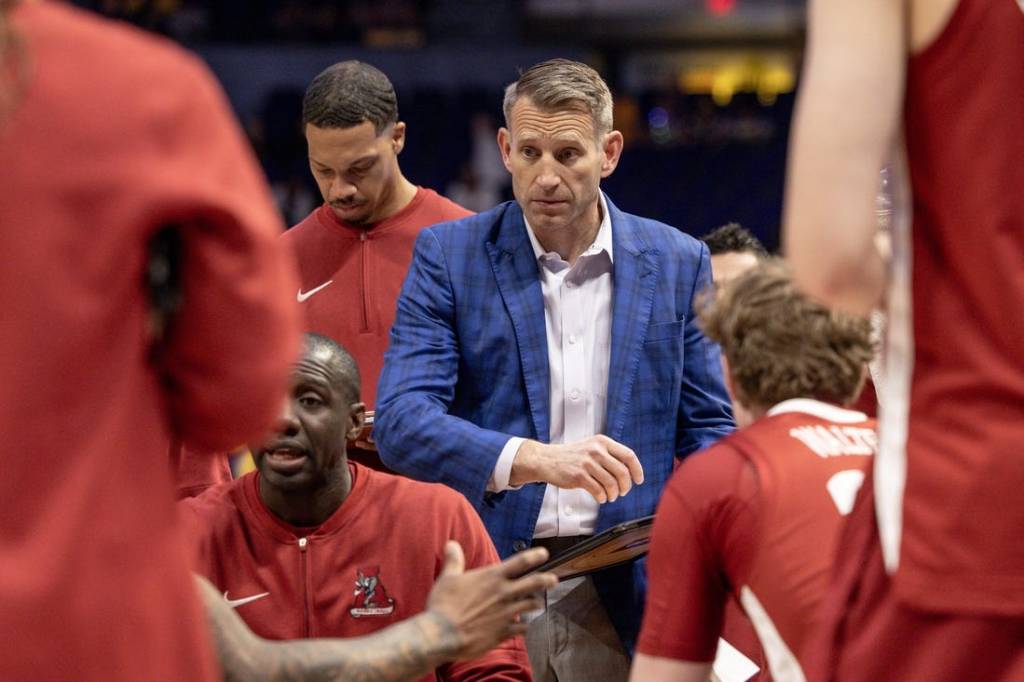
column 519, row 545
column 574, row 396
column 572, row 338
column 569, row 283
column 569, row 510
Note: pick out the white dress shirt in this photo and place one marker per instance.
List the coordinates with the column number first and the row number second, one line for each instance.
column 578, row 319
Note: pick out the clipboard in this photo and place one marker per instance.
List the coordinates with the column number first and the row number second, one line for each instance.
column 618, row 545
column 365, row 438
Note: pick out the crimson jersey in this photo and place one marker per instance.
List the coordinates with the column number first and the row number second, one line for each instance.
column 114, row 135
column 756, row 517
column 351, row 276
column 370, row 565
column 953, row 533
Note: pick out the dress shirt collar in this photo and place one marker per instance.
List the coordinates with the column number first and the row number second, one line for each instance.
column 602, row 242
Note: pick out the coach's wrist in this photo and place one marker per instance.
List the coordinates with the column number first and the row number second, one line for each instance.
column 526, row 465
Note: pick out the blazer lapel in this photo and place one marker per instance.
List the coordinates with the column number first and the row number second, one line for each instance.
column 636, row 272
column 515, row 271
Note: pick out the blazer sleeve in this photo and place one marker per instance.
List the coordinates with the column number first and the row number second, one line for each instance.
column 415, row 434
column 705, row 411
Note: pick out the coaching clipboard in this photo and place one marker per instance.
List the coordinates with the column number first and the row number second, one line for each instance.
column 365, row 438
column 617, row 545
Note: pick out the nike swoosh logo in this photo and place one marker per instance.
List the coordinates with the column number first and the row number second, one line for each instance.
column 235, row 603
column 303, row 295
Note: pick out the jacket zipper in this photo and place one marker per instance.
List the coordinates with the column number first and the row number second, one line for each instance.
column 305, row 582
column 365, row 310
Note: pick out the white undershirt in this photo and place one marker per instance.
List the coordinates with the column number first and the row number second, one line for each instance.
column 578, row 317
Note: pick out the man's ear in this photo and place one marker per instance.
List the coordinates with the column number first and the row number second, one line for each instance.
column 356, row 420
column 398, row 137
column 611, row 150
column 505, row 145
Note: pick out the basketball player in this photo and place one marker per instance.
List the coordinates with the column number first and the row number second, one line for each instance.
column 734, row 250
column 110, row 142
column 312, row 544
column 756, row 516
column 933, row 560
column 354, row 250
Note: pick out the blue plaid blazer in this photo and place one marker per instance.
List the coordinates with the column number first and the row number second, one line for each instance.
column 467, row 367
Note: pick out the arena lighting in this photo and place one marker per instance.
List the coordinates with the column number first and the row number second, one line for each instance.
column 720, row 7
column 723, row 77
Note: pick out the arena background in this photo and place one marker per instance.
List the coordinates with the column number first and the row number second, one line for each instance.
column 704, row 88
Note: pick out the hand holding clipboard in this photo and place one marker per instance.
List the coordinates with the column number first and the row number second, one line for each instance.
column 617, row 545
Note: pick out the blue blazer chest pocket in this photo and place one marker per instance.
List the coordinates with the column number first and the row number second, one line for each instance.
column 664, row 331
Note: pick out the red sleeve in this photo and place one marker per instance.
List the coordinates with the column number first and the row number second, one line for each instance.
column 227, row 357
column 194, row 527
column 195, row 472
column 508, row 661
column 701, row 536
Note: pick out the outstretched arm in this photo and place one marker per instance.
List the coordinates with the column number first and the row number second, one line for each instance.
column 846, row 122
column 403, row 651
column 234, row 274
column 467, row 614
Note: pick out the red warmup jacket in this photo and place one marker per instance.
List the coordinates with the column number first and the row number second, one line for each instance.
column 371, row 564
column 351, row 276
column 115, row 135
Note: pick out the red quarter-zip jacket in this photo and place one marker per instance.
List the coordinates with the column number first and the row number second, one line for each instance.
column 371, row 564
column 351, row 275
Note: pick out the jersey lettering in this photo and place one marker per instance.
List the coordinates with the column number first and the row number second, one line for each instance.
column 837, row 441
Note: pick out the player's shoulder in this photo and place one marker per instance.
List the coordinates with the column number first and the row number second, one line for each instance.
column 215, row 503
column 473, row 229
column 112, row 48
column 304, row 228
column 709, row 475
column 442, row 207
column 414, row 496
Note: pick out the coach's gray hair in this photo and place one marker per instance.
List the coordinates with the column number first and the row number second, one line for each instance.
column 563, row 84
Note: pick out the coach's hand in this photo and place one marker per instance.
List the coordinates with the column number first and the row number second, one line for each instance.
column 604, row 468
column 483, row 605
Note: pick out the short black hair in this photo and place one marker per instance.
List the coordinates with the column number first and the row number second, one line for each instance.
column 342, row 362
column 733, row 238
column 347, row 94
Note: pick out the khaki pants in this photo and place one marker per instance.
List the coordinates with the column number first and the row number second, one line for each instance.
column 573, row 640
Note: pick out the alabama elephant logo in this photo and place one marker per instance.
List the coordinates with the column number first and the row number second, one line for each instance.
column 371, row 597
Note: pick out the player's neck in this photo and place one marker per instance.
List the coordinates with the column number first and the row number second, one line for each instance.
column 399, row 198
column 305, row 508
column 748, row 414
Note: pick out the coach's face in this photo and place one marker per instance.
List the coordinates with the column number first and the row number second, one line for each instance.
column 357, row 170
column 557, row 160
column 307, row 451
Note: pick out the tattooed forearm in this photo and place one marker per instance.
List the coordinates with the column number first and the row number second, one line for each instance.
column 404, row 651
